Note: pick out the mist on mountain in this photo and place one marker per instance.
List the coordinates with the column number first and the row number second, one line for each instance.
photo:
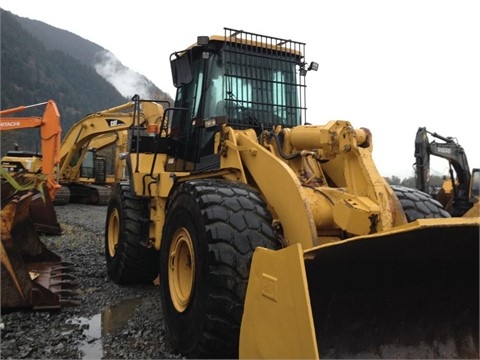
column 40, row 62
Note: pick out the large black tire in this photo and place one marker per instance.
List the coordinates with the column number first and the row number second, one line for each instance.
column 211, row 231
column 130, row 258
column 419, row 205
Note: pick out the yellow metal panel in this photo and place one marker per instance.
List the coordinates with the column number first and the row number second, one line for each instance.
column 277, row 320
column 355, row 214
column 282, row 189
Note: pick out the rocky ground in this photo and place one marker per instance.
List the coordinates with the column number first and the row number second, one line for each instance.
column 110, row 321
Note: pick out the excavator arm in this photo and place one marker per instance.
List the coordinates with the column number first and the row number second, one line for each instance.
column 422, row 161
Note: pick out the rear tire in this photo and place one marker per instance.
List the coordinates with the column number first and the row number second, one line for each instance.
column 130, row 258
column 419, row 205
column 211, row 231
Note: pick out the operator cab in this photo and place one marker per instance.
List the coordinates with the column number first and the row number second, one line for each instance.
column 241, row 79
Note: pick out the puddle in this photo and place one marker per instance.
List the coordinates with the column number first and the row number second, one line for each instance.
column 111, row 319
column 91, row 347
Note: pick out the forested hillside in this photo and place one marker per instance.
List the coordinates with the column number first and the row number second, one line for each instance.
column 40, row 62
column 57, row 39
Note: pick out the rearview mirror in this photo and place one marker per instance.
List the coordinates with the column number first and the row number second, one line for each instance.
column 181, row 70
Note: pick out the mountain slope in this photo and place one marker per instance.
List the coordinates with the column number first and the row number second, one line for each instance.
column 124, row 79
column 31, row 74
column 57, row 39
column 34, row 71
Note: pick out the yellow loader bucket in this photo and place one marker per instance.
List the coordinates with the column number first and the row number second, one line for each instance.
column 412, row 292
column 32, row 276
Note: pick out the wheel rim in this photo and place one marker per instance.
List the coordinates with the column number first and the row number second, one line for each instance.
column 113, row 232
column 181, row 269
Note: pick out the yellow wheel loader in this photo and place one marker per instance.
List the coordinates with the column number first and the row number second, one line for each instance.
column 275, row 238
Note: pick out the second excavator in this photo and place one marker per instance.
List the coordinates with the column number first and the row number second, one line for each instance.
column 460, row 192
column 82, row 172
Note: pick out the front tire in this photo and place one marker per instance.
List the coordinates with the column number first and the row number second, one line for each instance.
column 211, row 231
column 129, row 255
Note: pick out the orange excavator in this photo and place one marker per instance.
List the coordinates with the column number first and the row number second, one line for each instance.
column 50, row 132
column 32, row 276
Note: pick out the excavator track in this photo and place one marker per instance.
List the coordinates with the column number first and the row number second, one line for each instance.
column 104, row 193
column 62, row 196
column 89, row 194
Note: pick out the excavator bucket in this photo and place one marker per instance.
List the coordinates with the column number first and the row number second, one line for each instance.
column 43, row 215
column 411, row 292
column 32, row 276
column 42, row 210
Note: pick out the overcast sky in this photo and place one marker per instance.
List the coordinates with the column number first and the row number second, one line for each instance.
column 390, row 66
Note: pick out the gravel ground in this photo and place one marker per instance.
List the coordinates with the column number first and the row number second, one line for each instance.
column 110, row 321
